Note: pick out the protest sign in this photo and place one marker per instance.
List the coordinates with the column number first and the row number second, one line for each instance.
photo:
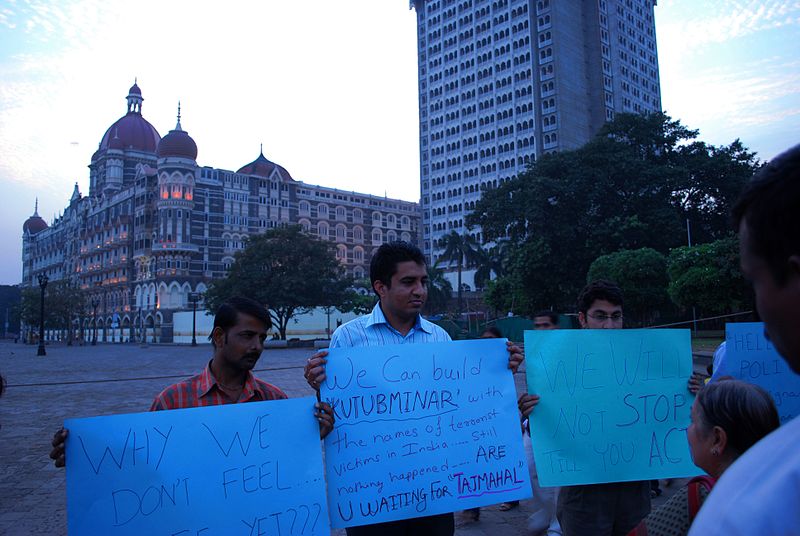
column 421, row 429
column 614, row 404
column 749, row 356
column 247, row 469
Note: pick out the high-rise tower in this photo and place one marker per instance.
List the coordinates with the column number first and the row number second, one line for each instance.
column 503, row 81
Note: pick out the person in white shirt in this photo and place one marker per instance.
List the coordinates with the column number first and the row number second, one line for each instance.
column 760, row 493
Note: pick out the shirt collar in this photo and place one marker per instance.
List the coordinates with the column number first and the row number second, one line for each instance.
column 207, row 382
column 377, row 317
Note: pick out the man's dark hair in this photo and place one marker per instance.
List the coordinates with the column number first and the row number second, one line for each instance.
column 770, row 204
column 745, row 411
column 549, row 314
column 228, row 314
column 601, row 289
column 385, row 260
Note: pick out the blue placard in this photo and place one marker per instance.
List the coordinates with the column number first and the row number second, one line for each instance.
column 421, row 429
column 614, row 404
column 252, row 468
column 749, row 356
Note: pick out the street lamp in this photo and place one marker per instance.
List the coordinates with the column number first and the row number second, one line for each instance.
column 194, row 297
column 95, row 303
column 42, row 284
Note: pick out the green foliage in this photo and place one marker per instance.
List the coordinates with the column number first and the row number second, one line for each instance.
column 62, row 302
column 285, row 269
column 708, row 276
column 439, row 291
column 358, row 299
column 632, row 187
column 642, row 276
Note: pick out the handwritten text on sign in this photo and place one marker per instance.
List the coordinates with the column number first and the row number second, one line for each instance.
column 749, row 356
column 244, row 469
column 421, row 429
column 614, row 404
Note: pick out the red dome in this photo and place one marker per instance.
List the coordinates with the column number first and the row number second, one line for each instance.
column 177, row 143
column 34, row 224
column 131, row 131
column 261, row 167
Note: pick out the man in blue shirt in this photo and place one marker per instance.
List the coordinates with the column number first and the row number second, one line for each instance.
column 400, row 279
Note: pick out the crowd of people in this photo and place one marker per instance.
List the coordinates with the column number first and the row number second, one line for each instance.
column 752, row 464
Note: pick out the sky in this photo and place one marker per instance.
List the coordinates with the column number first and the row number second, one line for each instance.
column 328, row 88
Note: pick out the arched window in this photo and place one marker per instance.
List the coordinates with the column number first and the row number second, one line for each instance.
column 341, row 253
column 305, row 224
column 377, row 217
column 358, row 234
column 358, row 215
column 341, row 232
column 358, row 254
column 322, row 210
column 322, row 230
column 304, row 207
column 341, row 213
column 377, row 236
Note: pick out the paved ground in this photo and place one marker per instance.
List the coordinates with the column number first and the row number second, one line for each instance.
column 109, row 379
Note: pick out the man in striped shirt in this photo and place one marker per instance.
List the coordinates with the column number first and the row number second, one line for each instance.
column 240, row 328
column 400, row 279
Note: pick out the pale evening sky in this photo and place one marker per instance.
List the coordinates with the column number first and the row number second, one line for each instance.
column 329, row 88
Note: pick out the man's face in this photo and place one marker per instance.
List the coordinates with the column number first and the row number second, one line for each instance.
column 778, row 305
column 543, row 322
column 601, row 315
column 240, row 347
column 406, row 296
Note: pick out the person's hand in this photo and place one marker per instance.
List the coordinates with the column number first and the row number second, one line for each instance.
column 696, row 382
column 515, row 356
column 526, row 403
column 324, row 414
column 314, row 370
column 58, row 454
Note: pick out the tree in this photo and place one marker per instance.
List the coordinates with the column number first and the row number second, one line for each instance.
column 461, row 250
column 642, row 276
column 439, row 290
column 633, row 186
column 62, row 302
column 359, row 299
column 708, row 276
column 285, row 269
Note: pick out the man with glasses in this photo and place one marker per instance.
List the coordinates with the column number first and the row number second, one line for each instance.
column 615, row 508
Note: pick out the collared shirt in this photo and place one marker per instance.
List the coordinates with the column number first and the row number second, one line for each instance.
column 203, row 390
column 374, row 330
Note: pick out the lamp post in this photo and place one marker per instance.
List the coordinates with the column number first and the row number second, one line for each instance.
column 194, row 297
column 95, row 303
column 42, row 285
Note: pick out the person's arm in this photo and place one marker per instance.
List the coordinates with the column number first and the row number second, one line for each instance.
column 58, row 454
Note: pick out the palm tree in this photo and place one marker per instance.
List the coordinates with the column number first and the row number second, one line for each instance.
column 461, row 250
column 439, row 290
column 491, row 261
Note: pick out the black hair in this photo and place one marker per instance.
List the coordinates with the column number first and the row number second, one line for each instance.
column 494, row 330
column 385, row 260
column 770, row 204
column 2, row 384
column 549, row 314
column 600, row 289
column 745, row 411
column 228, row 314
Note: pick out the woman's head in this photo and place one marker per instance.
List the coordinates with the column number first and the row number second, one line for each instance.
column 728, row 417
column 491, row 333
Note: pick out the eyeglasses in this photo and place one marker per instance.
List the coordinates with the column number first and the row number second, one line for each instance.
column 602, row 317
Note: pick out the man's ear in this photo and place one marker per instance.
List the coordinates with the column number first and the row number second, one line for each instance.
column 218, row 336
column 380, row 287
column 582, row 319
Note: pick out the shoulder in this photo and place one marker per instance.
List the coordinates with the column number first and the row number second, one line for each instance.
column 757, row 494
column 438, row 334
column 269, row 391
column 350, row 332
column 174, row 396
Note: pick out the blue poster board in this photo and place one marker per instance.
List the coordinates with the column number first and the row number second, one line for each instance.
column 252, row 468
column 749, row 356
column 421, row 429
column 614, row 404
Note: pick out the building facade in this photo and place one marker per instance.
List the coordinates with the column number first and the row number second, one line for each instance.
column 156, row 227
column 504, row 81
